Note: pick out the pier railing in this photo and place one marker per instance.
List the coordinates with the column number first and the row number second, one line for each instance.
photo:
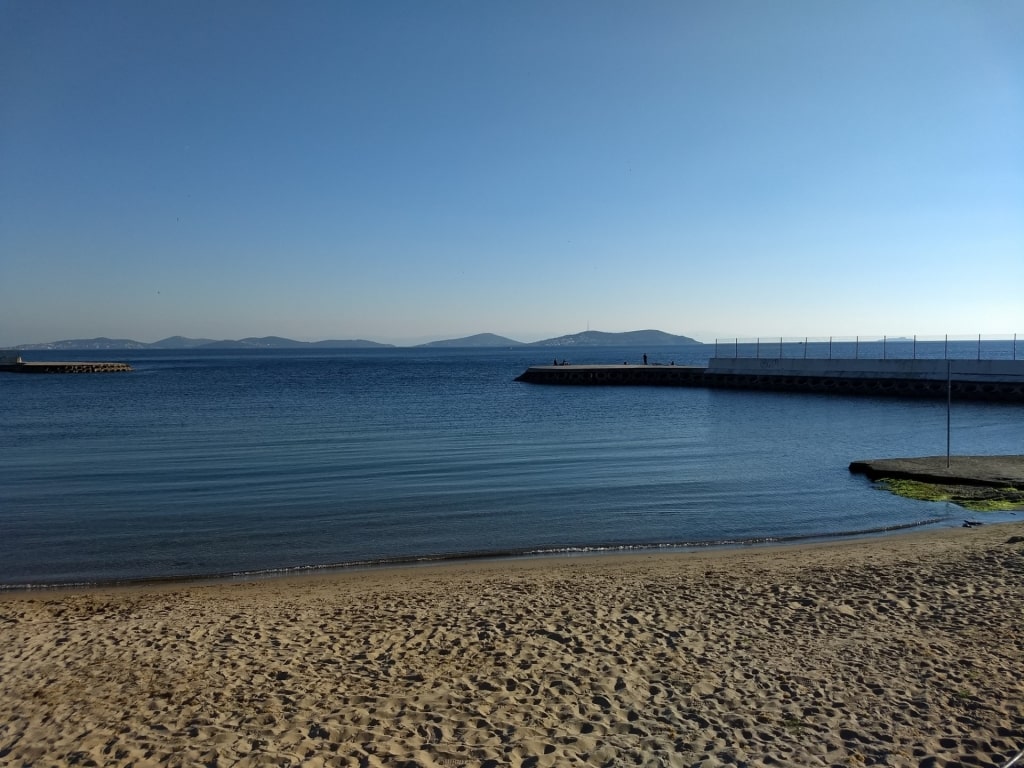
column 979, row 347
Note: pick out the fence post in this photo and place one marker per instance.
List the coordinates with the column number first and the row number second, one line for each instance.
column 757, row 348
column 945, row 348
column 805, row 347
column 979, row 346
column 914, row 355
column 856, row 348
column 780, row 347
column 829, row 347
column 736, row 350
column 884, row 338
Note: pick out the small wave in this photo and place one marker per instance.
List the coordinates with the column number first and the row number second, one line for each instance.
column 458, row 557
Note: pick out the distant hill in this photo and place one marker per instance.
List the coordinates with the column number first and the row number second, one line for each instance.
column 251, row 342
column 183, row 342
column 101, row 342
column 648, row 338
column 477, row 340
column 348, row 344
column 279, row 342
column 179, row 342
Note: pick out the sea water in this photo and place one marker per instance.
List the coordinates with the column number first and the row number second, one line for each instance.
column 212, row 463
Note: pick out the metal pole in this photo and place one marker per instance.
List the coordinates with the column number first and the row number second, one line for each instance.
column 945, row 348
column 1015, row 346
column 856, row 349
column 883, row 346
column 949, row 404
column 914, row 355
column 736, row 354
column 979, row 346
column 805, row 347
column 780, row 347
column 758, row 348
column 829, row 347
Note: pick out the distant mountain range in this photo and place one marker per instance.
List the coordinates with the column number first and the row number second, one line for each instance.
column 583, row 339
column 183, row 342
column 648, row 338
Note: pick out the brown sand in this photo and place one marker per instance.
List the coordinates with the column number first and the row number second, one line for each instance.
column 897, row 651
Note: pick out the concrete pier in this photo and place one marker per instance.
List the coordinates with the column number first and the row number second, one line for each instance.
column 995, row 471
column 995, row 380
column 642, row 375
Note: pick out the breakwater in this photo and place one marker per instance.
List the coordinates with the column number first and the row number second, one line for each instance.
column 995, row 380
column 64, row 367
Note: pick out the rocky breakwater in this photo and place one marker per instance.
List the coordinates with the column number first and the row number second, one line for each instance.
column 65, row 367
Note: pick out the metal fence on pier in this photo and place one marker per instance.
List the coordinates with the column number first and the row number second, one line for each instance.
column 979, row 347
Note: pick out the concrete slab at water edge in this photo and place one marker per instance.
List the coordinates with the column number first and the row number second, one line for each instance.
column 996, row 471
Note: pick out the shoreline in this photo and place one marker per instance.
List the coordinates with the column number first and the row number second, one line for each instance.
column 891, row 650
column 980, row 484
column 426, row 561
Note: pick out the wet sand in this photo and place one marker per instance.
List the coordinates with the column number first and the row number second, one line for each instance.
column 903, row 650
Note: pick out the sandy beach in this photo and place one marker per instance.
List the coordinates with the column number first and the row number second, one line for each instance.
column 904, row 650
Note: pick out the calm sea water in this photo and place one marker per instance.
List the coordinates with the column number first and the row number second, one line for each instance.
column 219, row 463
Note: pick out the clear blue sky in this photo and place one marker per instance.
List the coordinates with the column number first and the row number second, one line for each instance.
column 405, row 170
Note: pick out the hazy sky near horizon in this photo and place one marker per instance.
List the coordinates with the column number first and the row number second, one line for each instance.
column 404, row 171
